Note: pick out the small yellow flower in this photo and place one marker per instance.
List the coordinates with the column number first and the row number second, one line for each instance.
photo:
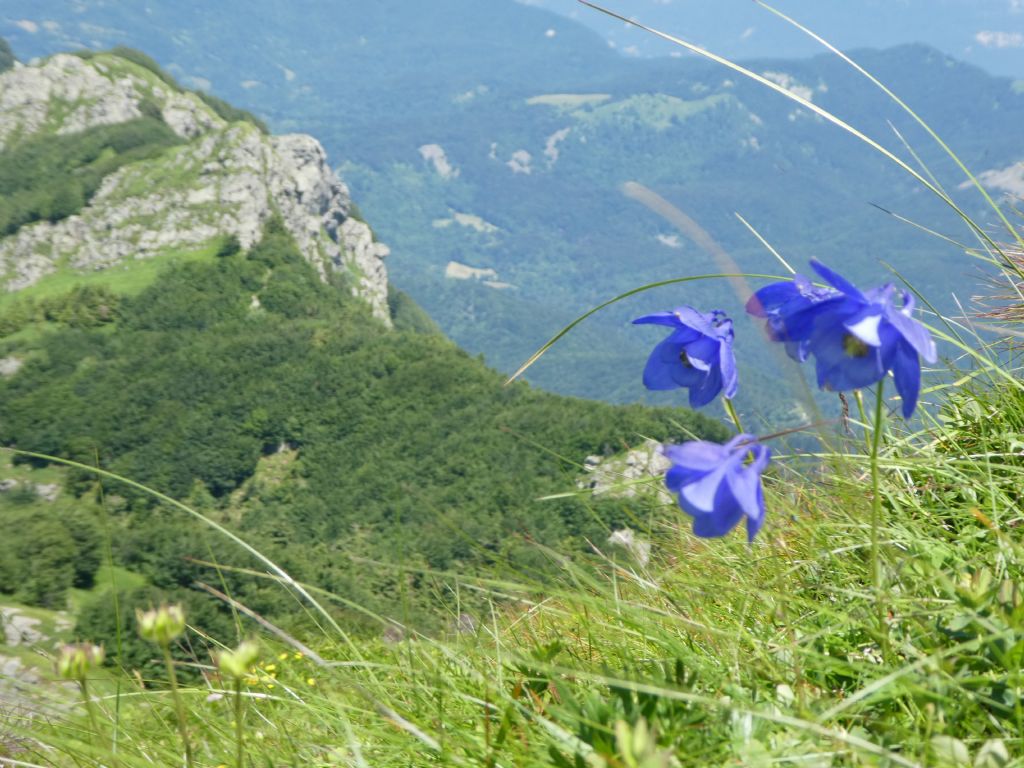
column 297, row 655
column 270, row 667
column 310, row 681
column 251, row 681
column 282, row 657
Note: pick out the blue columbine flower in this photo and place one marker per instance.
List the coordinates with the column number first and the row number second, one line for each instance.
column 696, row 355
column 855, row 337
column 717, row 486
column 778, row 301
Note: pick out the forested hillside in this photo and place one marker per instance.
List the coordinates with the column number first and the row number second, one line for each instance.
column 266, row 392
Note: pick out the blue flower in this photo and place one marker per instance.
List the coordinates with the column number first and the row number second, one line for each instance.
column 855, row 337
column 697, row 354
column 778, row 301
column 717, row 486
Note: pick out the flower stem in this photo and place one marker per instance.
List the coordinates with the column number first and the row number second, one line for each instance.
column 179, row 705
column 239, row 734
column 731, row 410
column 90, row 709
column 876, row 519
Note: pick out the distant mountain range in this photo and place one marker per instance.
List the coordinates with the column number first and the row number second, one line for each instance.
column 489, row 144
column 987, row 33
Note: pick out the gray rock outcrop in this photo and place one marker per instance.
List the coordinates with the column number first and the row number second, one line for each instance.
column 637, row 471
column 228, row 179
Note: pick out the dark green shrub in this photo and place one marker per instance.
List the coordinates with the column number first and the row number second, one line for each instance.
column 231, row 113
column 6, row 56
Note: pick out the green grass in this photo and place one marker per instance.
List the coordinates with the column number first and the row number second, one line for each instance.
column 127, row 278
column 108, row 577
column 653, row 110
column 732, row 655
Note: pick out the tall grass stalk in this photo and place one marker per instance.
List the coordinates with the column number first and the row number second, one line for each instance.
column 90, row 708
column 877, row 578
column 179, row 704
column 239, row 727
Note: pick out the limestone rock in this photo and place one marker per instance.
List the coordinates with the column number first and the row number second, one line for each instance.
column 229, row 179
column 624, row 475
column 10, row 365
column 19, row 629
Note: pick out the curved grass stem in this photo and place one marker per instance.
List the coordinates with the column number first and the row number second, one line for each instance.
column 733, row 414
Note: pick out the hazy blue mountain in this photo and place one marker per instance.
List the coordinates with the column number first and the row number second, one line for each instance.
column 988, row 33
column 528, row 189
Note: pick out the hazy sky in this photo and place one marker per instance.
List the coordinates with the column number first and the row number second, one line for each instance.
column 989, row 33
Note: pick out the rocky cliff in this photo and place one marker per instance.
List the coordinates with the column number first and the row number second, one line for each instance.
column 226, row 178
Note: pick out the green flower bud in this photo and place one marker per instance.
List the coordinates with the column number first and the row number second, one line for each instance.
column 161, row 625
column 238, row 662
column 74, row 661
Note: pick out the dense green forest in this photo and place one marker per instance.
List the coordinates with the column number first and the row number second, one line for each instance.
column 53, row 177
column 6, row 55
column 275, row 403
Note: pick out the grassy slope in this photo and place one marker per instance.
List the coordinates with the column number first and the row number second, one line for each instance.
column 303, row 422
column 730, row 655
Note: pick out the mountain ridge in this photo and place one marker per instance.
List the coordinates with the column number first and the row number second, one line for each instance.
column 227, row 179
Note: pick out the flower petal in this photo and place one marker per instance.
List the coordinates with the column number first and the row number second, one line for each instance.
column 717, row 523
column 771, row 297
column 838, row 281
column 691, row 318
column 658, row 374
column 865, row 326
column 839, row 371
column 798, row 326
column 658, row 318
column 906, row 371
column 700, row 496
column 727, row 365
column 703, row 353
column 916, row 334
column 707, row 388
column 697, row 454
column 754, row 524
column 665, row 368
column 678, row 476
column 746, row 481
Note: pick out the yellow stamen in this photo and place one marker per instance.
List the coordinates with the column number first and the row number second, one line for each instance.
column 854, row 347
